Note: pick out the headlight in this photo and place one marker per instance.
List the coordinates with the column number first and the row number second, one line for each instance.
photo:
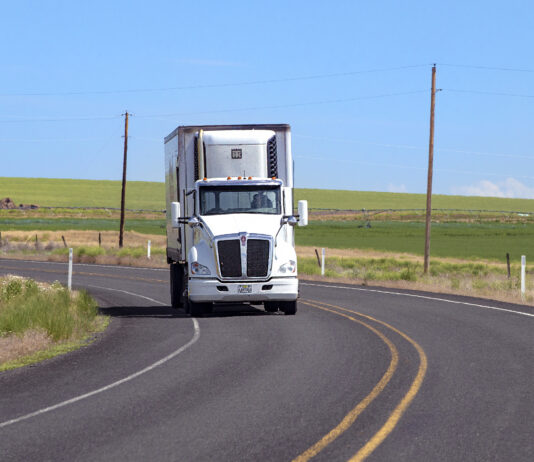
column 197, row 268
column 289, row 267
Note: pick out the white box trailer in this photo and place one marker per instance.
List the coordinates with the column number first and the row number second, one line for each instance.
column 230, row 219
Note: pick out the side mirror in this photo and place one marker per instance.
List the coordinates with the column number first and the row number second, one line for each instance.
column 303, row 213
column 175, row 214
column 292, row 221
column 193, row 222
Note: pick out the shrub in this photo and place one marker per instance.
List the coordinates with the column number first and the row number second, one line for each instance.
column 60, row 313
column 408, row 275
column 89, row 251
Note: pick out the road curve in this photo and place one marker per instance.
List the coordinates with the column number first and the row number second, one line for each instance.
column 357, row 373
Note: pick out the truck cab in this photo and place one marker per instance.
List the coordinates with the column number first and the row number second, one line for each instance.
column 231, row 228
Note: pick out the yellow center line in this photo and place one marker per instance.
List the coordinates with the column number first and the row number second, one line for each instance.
column 350, row 418
column 84, row 273
column 399, row 410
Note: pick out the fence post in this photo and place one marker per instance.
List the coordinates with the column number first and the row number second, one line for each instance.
column 508, row 265
column 322, row 263
column 523, row 267
column 148, row 250
column 318, row 258
column 69, row 279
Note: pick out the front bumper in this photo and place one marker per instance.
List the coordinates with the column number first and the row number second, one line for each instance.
column 213, row 290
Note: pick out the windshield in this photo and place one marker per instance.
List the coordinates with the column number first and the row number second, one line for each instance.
column 217, row 200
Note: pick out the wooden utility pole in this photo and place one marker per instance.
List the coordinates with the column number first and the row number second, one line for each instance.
column 123, row 192
column 430, row 170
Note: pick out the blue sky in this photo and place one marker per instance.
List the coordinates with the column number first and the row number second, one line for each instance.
column 351, row 77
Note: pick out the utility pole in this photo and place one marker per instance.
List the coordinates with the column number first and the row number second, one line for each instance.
column 430, row 170
column 123, row 192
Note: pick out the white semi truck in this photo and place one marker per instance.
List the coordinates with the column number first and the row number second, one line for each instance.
column 230, row 219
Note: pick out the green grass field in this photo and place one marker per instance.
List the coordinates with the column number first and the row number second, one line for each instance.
column 90, row 224
column 357, row 200
column 83, row 193
column 461, row 240
column 151, row 196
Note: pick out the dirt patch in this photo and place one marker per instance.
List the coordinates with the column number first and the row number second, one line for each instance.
column 7, row 204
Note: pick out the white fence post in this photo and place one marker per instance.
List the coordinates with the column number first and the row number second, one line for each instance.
column 523, row 268
column 322, row 263
column 148, row 250
column 69, row 279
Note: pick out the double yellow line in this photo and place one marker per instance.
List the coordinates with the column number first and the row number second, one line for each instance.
column 351, row 417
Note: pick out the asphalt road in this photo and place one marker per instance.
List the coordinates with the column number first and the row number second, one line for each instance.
column 357, row 373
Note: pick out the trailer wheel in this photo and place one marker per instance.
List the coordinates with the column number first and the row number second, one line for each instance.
column 271, row 307
column 289, row 308
column 177, row 284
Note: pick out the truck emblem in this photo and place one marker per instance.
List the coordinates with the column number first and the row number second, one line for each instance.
column 237, row 154
column 243, row 240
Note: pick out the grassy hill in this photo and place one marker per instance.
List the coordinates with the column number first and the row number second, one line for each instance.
column 151, row 195
column 355, row 200
column 83, row 193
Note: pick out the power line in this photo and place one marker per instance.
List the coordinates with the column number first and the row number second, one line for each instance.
column 410, row 167
column 280, row 106
column 218, row 85
column 41, row 140
column 217, row 111
column 481, row 92
column 59, row 119
column 486, row 68
column 411, row 147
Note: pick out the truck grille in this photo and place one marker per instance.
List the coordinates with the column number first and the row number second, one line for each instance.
column 257, row 264
column 229, row 258
column 257, row 257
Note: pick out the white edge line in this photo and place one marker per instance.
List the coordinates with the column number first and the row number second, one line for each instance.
column 419, row 296
column 139, row 268
column 196, row 336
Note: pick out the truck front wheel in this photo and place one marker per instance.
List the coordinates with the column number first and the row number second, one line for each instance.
column 199, row 309
column 177, row 285
column 289, row 308
column 271, row 307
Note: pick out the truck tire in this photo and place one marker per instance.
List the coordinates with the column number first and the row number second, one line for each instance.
column 198, row 309
column 271, row 307
column 177, row 284
column 289, row 308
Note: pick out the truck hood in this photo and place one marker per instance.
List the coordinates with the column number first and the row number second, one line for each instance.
column 243, row 222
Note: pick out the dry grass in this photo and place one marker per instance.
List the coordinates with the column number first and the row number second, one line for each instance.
column 50, row 247
column 75, row 238
column 437, row 286
column 14, row 347
column 304, row 251
column 493, row 285
column 39, row 321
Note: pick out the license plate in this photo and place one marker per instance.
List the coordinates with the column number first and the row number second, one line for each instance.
column 244, row 289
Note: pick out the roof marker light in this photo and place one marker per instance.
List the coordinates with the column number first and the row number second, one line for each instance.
column 273, row 178
column 250, row 178
column 239, row 178
column 229, row 178
column 205, row 179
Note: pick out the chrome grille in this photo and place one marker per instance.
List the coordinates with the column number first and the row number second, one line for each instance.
column 229, row 258
column 257, row 257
